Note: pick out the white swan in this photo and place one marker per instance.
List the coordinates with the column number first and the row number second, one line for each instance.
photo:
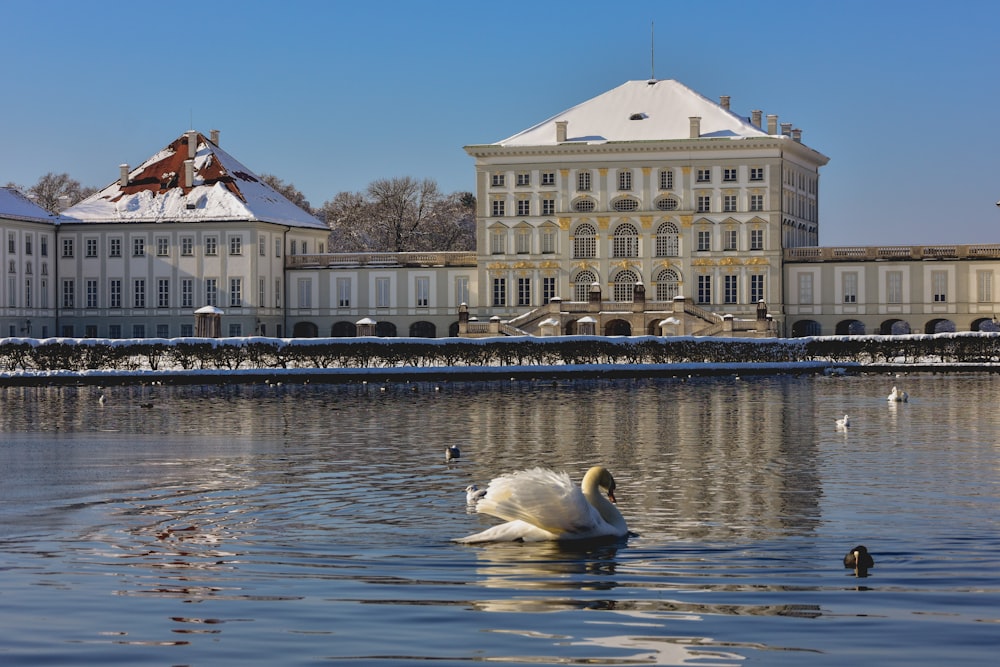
column 844, row 423
column 898, row 396
column 540, row 505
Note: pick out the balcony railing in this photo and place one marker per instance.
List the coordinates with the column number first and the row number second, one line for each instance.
column 868, row 253
column 339, row 260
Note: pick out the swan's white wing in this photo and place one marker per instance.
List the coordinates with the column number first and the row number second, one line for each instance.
column 543, row 498
column 510, row 531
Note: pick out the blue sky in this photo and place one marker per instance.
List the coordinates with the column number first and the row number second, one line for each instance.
column 902, row 95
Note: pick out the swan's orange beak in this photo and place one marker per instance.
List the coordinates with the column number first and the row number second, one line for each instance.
column 611, row 496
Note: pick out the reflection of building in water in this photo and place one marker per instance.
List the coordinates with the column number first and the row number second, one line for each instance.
column 717, row 456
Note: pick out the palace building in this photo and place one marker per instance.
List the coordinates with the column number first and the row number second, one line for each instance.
column 649, row 209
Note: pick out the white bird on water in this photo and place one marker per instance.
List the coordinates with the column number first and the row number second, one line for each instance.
column 541, row 505
column 844, row 423
column 473, row 494
column 452, row 453
column 897, row 396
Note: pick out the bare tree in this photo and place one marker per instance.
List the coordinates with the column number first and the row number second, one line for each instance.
column 400, row 215
column 289, row 191
column 54, row 192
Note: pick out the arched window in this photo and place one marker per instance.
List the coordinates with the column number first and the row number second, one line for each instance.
column 581, row 285
column 667, row 285
column 423, row 329
column 585, row 242
column 625, row 242
column 624, row 285
column 667, row 240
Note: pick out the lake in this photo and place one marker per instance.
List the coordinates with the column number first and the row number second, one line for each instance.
column 311, row 524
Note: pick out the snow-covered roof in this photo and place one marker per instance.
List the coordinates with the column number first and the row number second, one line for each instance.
column 639, row 111
column 15, row 206
column 221, row 189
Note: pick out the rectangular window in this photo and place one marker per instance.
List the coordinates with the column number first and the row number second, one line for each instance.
column 497, row 180
column 939, row 286
column 704, row 241
column 163, row 292
column 211, row 292
column 729, row 239
column 423, row 288
column 548, row 178
column 187, row 293
column 235, row 329
column 163, row 331
column 499, row 208
column 704, row 203
column 729, row 203
column 261, row 289
column 211, row 245
column 91, row 296
column 343, row 293
column 984, row 286
column 382, row 293
column 27, row 245
column 756, row 202
column 704, row 289
column 305, row 292
column 235, row 292
column 139, row 247
column 261, row 246
column 11, row 242
column 68, row 293
column 114, row 331
column 187, row 331
column 523, row 207
column 498, row 241
column 548, row 288
column 756, row 287
column 850, row 286
column 756, row 239
column 277, row 247
column 729, row 175
column 139, row 293
column 162, row 246
column 114, row 247
column 666, row 179
column 90, row 247
column 756, row 173
column 277, row 293
column 523, row 240
column 235, row 245
column 548, row 240
column 27, row 293
column 625, row 180
column 67, row 248
column 729, row 289
column 462, row 290
column 524, row 291
column 499, row 291
column 703, row 176
column 44, row 243
column 115, row 293
column 583, row 181
column 548, row 206
column 138, row 331
column 894, row 287
column 187, row 246
column 523, row 178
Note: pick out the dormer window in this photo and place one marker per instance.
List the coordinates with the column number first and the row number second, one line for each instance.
column 638, row 116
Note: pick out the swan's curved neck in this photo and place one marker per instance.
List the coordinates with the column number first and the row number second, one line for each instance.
column 591, row 487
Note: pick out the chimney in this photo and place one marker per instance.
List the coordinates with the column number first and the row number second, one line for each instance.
column 772, row 123
column 63, row 202
column 786, row 129
column 797, row 135
column 561, row 126
column 122, row 175
column 192, row 137
column 724, row 102
column 755, row 117
column 215, row 137
column 695, row 126
column 188, row 173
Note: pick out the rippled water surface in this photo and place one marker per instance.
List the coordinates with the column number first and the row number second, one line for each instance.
column 312, row 524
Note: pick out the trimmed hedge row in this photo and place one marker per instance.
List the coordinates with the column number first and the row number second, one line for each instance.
column 71, row 354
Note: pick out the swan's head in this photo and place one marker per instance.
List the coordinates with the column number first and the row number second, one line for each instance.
column 601, row 477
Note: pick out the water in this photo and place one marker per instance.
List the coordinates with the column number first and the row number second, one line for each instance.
column 311, row 524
